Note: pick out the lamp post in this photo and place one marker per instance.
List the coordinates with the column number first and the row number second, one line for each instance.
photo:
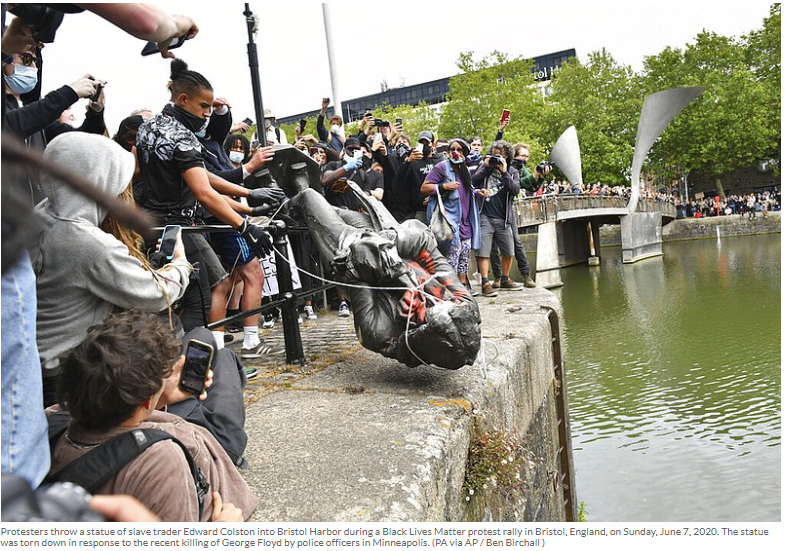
column 253, row 64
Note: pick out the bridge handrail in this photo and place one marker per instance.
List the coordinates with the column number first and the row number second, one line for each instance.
column 539, row 209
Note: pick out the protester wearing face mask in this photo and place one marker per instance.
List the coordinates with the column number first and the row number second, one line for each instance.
column 172, row 165
column 531, row 183
column 411, row 174
column 451, row 180
column 336, row 137
column 275, row 135
column 20, row 76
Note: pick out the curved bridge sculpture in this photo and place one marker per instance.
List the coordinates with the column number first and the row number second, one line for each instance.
column 568, row 225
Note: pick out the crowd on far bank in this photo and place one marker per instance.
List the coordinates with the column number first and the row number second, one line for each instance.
column 749, row 205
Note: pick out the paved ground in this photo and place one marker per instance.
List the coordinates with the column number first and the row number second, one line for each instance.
column 354, row 436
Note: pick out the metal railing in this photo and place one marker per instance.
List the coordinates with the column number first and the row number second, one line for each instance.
column 288, row 297
column 532, row 211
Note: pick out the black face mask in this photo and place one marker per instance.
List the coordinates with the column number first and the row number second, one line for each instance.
column 190, row 121
column 426, row 150
column 366, row 162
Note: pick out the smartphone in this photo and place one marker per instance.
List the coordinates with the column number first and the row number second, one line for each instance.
column 505, row 115
column 248, row 121
column 169, row 240
column 419, row 147
column 152, row 47
column 303, row 122
column 98, row 90
column 399, row 121
column 198, row 359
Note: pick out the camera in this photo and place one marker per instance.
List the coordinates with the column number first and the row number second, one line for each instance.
column 58, row 502
column 543, row 166
column 494, row 160
column 44, row 21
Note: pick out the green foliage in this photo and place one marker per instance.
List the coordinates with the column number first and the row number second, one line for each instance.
column 737, row 119
column 310, row 129
column 602, row 99
column 486, row 87
column 498, row 463
column 583, row 514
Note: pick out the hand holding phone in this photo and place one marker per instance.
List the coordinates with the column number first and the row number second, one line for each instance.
column 198, row 359
column 152, row 47
column 169, row 240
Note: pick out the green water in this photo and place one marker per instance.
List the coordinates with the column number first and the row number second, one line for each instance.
column 674, row 378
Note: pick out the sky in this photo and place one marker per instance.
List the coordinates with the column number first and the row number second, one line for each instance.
column 402, row 43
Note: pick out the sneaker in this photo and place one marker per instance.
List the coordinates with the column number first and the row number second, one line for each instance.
column 343, row 310
column 228, row 338
column 251, row 373
column 299, row 319
column 529, row 282
column 310, row 314
column 269, row 322
column 261, row 350
column 488, row 290
column 497, row 283
column 510, row 285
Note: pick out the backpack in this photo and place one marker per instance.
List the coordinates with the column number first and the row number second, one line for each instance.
column 96, row 467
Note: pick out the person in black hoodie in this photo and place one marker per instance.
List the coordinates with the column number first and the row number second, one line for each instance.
column 412, row 172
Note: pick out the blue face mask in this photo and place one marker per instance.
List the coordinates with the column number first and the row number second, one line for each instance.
column 23, row 80
column 236, row 156
column 201, row 133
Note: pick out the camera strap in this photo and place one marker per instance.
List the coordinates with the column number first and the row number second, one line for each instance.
column 99, row 465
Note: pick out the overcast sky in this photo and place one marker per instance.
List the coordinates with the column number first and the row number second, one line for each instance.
column 397, row 42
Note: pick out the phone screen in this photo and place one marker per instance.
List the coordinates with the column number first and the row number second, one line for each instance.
column 197, row 364
column 169, row 240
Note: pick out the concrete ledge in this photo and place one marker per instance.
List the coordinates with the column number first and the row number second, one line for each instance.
column 357, row 437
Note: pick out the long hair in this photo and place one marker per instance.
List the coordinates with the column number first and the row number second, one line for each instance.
column 128, row 237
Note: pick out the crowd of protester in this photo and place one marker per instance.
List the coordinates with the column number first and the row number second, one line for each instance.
column 98, row 322
column 747, row 205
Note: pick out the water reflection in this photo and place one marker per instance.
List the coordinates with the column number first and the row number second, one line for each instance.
column 674, row 378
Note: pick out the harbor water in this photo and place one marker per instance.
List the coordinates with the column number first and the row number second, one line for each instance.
column 674, row 378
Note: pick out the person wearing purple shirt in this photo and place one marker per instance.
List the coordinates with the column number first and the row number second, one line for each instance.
column 451, row 179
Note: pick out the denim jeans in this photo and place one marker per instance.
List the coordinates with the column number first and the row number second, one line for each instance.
column 25, row 443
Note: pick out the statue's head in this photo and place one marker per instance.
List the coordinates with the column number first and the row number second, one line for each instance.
column 452, row 335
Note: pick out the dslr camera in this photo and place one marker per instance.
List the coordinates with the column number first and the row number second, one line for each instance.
column 494, row 160
column 59, row 502
column 543, row 166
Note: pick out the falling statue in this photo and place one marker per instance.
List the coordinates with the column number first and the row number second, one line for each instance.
column 408, row 303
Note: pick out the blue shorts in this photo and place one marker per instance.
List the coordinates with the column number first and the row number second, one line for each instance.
column 231, row 248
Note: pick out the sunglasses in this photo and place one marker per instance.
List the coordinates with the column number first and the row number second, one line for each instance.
column 315, row 150
column 458, row 149
column 27, row 59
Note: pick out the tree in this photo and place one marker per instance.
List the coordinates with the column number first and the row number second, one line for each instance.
column 480, row 93
column 602, row 99
column 730, row 125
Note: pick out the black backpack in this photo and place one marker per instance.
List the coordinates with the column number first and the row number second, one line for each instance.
column 96, row 467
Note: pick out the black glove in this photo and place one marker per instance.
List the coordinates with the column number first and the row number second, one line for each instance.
column 264, row 210
column 270, row 195
column 257, row 240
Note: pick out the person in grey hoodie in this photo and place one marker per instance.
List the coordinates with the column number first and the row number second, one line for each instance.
column 83, row 272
